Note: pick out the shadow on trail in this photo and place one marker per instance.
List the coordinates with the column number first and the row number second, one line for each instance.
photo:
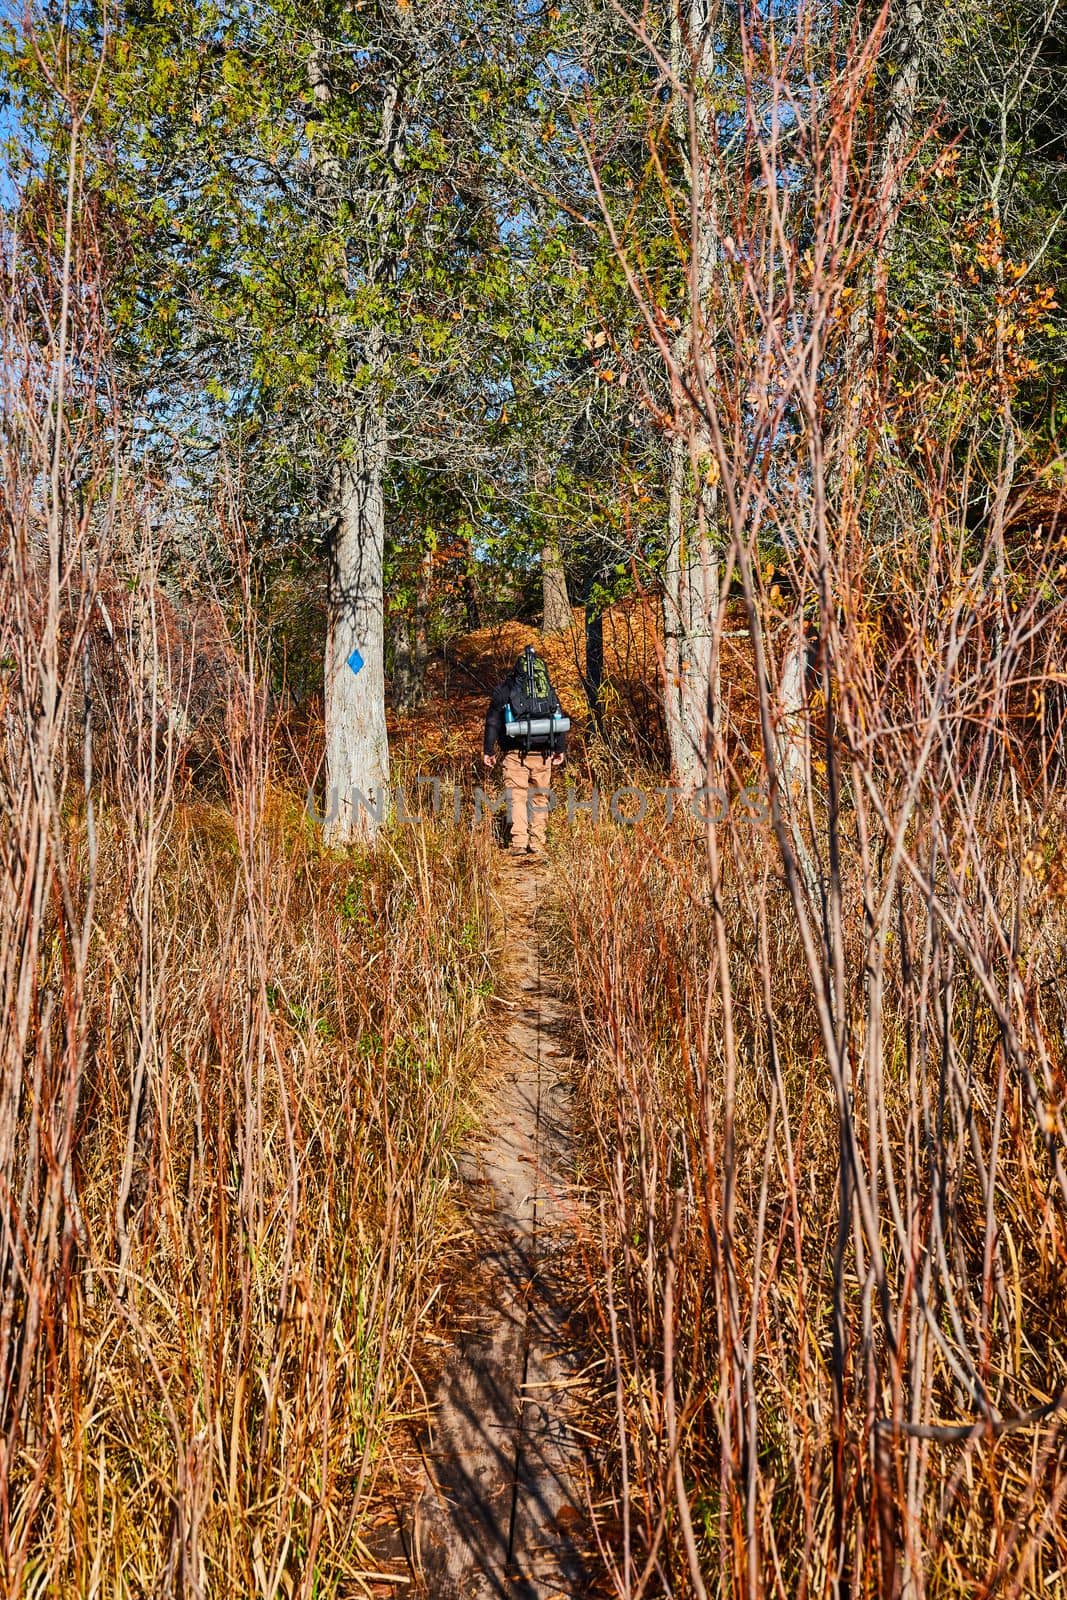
column 503, row 1510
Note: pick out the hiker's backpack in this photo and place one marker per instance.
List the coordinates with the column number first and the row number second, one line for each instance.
column 533, row 711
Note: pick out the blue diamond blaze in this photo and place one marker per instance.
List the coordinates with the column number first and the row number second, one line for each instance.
column 355, row 661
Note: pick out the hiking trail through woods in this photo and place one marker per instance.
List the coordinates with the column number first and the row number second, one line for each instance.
column 502, row 1509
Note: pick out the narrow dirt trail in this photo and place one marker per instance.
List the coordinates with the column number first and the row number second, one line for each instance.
column 502, row 1509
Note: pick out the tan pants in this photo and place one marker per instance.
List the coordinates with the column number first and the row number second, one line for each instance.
column 527, row 780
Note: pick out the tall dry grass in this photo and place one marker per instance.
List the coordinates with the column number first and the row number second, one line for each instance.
column 235, row 1195
column 235, row 1068
column 236, row 1328
column 751, row 1375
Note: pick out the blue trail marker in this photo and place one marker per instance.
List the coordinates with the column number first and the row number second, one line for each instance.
column 355, row 660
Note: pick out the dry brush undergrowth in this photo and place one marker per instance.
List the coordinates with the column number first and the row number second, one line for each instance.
column 277, row 1049
column 764, row 1420
column 276, row 1052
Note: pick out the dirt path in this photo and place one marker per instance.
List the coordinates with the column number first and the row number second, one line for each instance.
column 502, row 1510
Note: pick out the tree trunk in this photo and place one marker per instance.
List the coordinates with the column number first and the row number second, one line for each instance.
column 691, row 577
column 699, row 687
column 403, row 677
column 357, row 749
column 557, row 605
column 594, row 661
column 472, row 604
column 794, row 749
column 411, row 645
column 672, row 607
column 422, row 640
column 690, row 604
column 357, row 746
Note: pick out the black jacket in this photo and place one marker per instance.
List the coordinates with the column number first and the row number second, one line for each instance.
column 494, row 727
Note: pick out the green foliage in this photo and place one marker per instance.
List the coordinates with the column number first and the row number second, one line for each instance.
column 301, row 211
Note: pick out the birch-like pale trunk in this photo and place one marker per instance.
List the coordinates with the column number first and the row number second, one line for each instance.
column 691, row 568
column 357, row 746
column 672, row 607
column 690, row 602
column 794, row 748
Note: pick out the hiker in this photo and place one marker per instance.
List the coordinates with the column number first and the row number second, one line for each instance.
column 526, row 722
